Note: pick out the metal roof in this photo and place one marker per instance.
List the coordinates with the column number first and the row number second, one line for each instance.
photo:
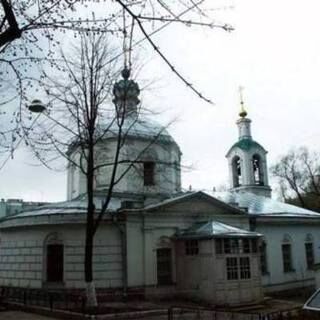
column 246, row 144
column 141, row 127
column 192, row 194
column 259, row 205
column 214, row 229
column 65, row 207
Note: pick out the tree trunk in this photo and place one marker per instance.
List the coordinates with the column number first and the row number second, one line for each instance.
column 90, row 287
column 88, row 268
column 91, row 295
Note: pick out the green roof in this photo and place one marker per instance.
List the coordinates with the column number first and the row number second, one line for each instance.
column 246, row 144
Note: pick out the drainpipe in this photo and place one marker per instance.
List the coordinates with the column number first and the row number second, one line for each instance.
column 123, row 234
column 124, row 259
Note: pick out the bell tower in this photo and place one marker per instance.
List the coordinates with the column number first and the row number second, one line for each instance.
column 247, row 159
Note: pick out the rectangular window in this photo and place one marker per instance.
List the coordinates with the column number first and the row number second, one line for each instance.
column 232, row 268
column 309, row 255
column 234, row 245
column 263, row 258
column 164, row 266
column 148, row 173
column 245, row 268
column 287, row 258
column 246, row 245
column 254, row 245
column 191, row 247
column 55, row 263
column 219, row 246
column 227, row 246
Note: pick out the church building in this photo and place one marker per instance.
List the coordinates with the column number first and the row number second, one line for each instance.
column 220, row 247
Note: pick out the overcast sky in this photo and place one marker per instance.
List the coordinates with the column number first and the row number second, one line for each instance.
column 274, row 53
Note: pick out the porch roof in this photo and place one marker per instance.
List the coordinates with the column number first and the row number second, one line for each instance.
column 215, row 229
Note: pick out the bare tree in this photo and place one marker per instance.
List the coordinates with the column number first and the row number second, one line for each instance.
column 298, row 174
column 30, row 32
column 80, row 116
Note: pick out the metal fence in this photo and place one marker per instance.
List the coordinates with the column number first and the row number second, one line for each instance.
column 186, row 313
column 44, row 298
column 62, row 300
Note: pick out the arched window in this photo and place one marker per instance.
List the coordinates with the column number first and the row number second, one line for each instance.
column 309, row 251
column 103, row 161
column 236, row 170
column 287, row 254
column 257, row 170
column 149, row 168
column 148, row 173
column 73, row 173
column 53, row 258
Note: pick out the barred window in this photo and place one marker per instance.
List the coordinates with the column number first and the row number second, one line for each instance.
column 232, row 268
column 191, row 247
column 245, row 272
column 309, row 254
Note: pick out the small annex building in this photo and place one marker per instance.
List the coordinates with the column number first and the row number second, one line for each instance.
column 223, row 248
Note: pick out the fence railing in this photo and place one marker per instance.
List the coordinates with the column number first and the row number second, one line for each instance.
column 44, row 298
column 71, row 301
column 192, row 313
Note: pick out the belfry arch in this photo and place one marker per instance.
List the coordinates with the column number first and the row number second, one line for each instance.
column 257, row 168
column 247, row 160
column 236, row 171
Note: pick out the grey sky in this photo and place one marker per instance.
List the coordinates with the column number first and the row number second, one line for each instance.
column 274, row 53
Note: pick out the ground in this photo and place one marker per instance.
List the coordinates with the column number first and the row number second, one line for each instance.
column 19, row 315
column 190, row 310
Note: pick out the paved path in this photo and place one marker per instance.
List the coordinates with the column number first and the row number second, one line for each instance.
column 19, row 315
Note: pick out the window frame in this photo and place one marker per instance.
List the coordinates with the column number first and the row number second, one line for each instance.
column 287, row 261
column 164, row 266
column 263, row 258
column 191, row 247
column 238, row 268
column 236, row 245
column 245, row 268
column 309, row 254
column 149, row 173
column 54, row 266
column 232, row 268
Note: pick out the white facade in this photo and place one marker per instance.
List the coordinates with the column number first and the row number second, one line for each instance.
column 126, row 251
column 145, row 142
column 139, row 247
column 296, row 233
column 247, row 159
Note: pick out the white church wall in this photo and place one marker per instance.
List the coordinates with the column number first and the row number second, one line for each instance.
column 274, row 234
column 146, row 234
column 135, row 254
column 166, row 157
column 23, row 262
column 204, row 276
